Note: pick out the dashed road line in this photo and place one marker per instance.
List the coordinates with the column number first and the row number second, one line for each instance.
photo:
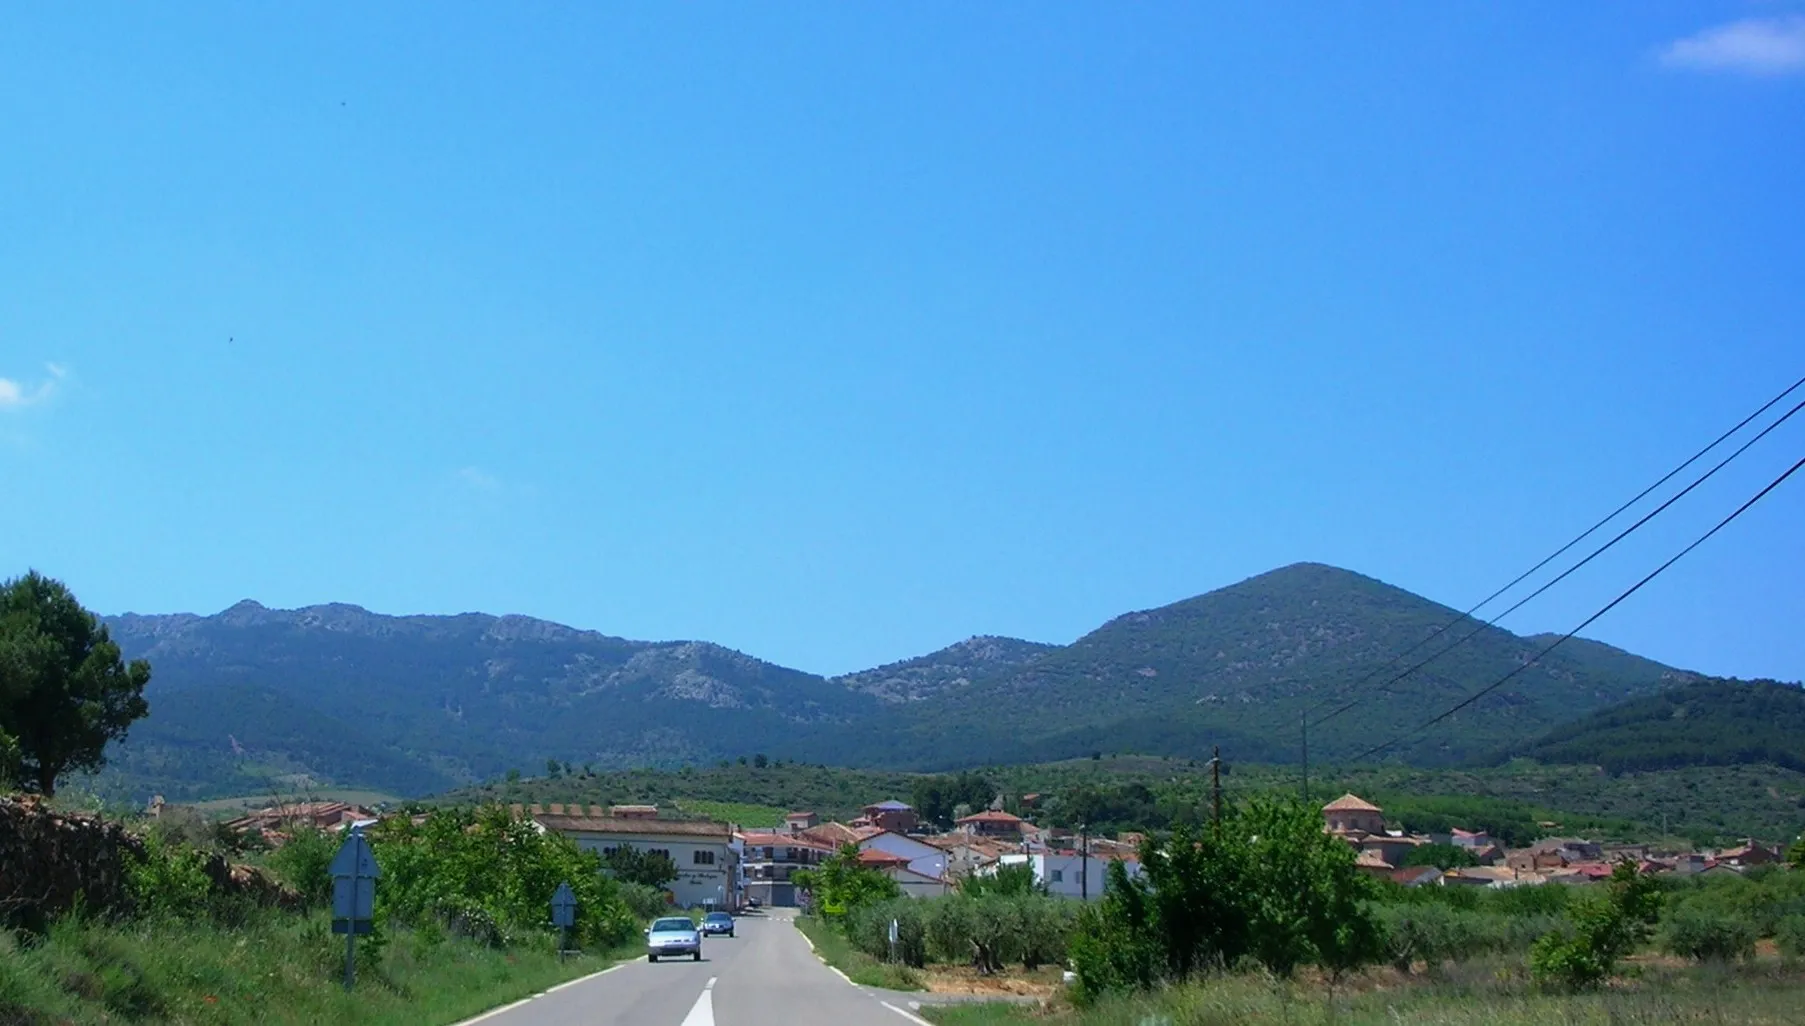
column 911, row 1016
column 703, row 1012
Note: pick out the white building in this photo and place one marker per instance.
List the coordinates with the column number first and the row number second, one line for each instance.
column 706, row 858
column 772, row 859
column 1070, row 875
column 923, row 859
column 911, row 883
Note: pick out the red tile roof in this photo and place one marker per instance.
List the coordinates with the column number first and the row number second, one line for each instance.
column 879, row 857
column 777, row 840
column 1351, row 803
column 991, row 816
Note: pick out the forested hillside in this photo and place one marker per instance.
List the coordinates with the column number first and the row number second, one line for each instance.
column 1237, row 667
column 256, row 700
column 276, row 700
column 1707, row 723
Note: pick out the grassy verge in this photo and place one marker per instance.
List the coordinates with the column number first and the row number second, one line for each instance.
column 1761, row 995
column 859, row 967
column 272, row 970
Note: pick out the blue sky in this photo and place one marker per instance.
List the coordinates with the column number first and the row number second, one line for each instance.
column 837, row 334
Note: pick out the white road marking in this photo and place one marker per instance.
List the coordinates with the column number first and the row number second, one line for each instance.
column 703, row 1012
column 493, row 1012
column 586, row 979
column 911, row 1016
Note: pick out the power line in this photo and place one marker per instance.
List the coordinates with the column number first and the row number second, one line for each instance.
column 1501, row 681
column 1594, row 554
column 1557, row 553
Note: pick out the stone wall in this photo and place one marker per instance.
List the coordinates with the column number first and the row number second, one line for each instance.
column 51, row 860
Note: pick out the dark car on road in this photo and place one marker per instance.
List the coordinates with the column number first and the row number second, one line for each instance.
column 717, row 923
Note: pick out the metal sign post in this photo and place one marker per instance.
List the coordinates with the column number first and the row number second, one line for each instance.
column 895, row 935
column 354, row 872
column 564, row 915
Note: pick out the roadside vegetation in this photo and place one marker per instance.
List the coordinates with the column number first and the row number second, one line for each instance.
column 1488, row 993
column 836, row 950
column 198, row 924
column 1262, row 916
column 461, row 926
column 267, row 967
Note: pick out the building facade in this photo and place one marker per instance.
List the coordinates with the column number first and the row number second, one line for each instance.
column 703, row 851
column 1070, row 874
column 891, row 815
column 771, row 860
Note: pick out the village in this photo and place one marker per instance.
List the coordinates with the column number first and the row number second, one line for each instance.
column 735, row 867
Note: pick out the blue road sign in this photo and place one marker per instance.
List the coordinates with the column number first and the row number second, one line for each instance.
column 355, row 858
column 354, row 898
column 354, row 872
column 564, row 906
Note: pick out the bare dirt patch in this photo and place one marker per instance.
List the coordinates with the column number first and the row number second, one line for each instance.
column 1041, row 983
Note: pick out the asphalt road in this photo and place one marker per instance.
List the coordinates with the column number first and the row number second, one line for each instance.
column 765, row 976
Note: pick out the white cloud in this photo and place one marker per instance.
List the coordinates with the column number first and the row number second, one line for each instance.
column 1753, row 46
column 16, row 395
column 479, row 479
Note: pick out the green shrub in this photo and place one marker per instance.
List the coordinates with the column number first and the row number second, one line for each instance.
column 1114, row 947
column 1434, row 932
column 643, row 901
column 489, row 877
column 168, row 880
column 1605, row 927
column 1790, row 935
column 868, row 928
column 1567, row 961
column 1705, row 935
column 305, row 864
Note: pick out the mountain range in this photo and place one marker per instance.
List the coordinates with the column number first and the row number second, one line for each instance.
column 255, row 700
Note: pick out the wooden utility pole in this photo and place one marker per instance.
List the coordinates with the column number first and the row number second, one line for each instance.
column 1084, row 861
column 1304, row 723
column 1216, row 783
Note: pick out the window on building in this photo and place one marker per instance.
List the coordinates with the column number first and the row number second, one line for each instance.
column 703, row 858
column 1057, row 876
column 666, row 852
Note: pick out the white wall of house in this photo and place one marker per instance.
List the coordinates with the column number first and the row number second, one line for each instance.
column 1064, row 875
column 914, row 885
column 924, row 858
column 706, row 868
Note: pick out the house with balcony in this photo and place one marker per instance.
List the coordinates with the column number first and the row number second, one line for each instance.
column 770, row 862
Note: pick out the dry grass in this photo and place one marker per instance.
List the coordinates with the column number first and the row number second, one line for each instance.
column 1768, row 993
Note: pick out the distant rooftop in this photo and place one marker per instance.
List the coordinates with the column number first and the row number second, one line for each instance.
column 1351, row 803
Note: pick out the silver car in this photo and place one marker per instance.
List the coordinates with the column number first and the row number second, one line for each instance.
column 673, row 935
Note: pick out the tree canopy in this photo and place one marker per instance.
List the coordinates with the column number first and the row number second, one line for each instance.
column 937, row 798
column 650, row 868
column 64, row 689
